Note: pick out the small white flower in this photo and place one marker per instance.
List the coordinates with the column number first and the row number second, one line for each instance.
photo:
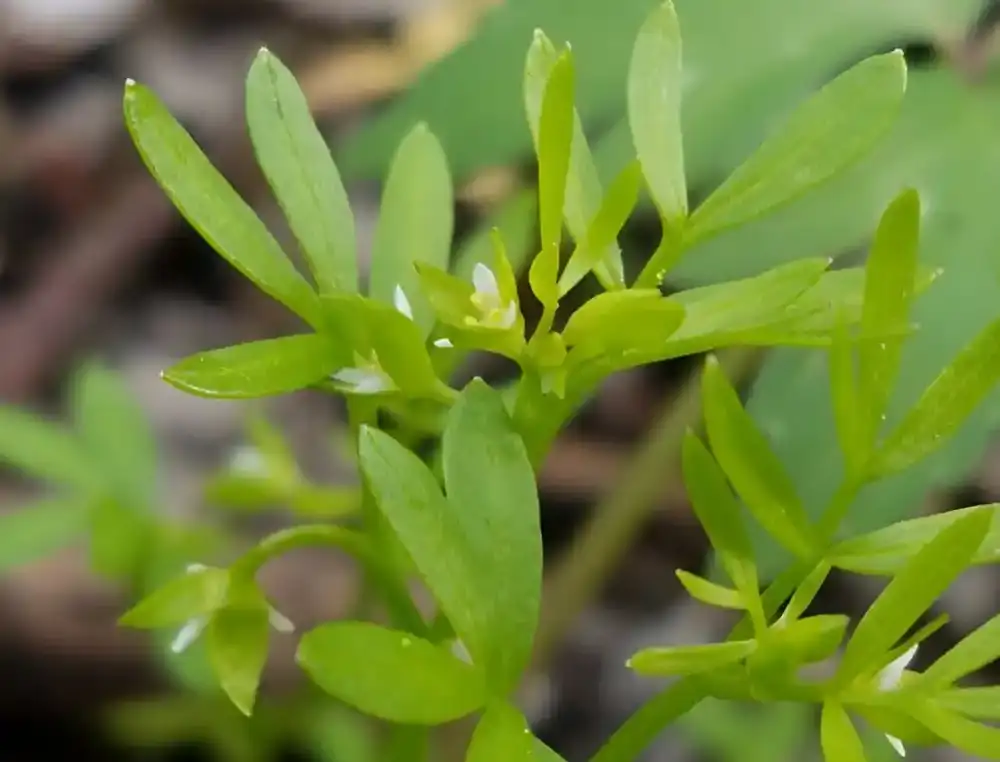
column 401, row 302
column 365, row 378
column 195, row 626
column 459, row 651
column 443, row 344
column 888, row 680
column 248, row 461
column 495, row 314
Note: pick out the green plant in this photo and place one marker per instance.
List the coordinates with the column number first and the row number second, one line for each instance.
column 465, row 521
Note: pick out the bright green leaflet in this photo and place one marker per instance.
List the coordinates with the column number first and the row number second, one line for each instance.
column 840, row 741
column 237, row 648
column 193, row 594
column 555, row 140
column 975, row 651
column 39, row 529
column 357, row 661
column 502, row 735
column 258, row 368
column 654, row 112
column 490, row 481
column 209, row 203
column 690, row 660
column 701, row 589
column 415, row 223
column 298, row 166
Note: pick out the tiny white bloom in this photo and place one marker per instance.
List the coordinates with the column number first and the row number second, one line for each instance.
column 247, row 460
column 443, row 344
column 495, row 314
column 888, row 680
column 401, row 302
column 366, row 378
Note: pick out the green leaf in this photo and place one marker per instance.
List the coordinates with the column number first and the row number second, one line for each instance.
column 890, row 276
column 806, row 592
column 502, row 735
column 887, row 550
column 195, row 593
column 491, row 485
column 912, row 592
column 298, row 166
column 975, row 651
column 828, row 133
column 855, row 445
column 555, row 141
column 415, row 224
column 237, row 641
column 39, row 530
column 258, row 368
column 702, row 590
column 654, row 112
column 120, row 535
column 690, row 660
column 719, row 514
column 434, row 533
column 840, row 740
column 970, row 737
column 629, row 323
column 210, row 204
column 602, row 233
column 975, row 703
column 117, row 433
column 45, row 450
column 389, row 674
column 750, row 464
column 945, row 405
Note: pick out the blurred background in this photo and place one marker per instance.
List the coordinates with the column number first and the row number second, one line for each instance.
column 95, row 263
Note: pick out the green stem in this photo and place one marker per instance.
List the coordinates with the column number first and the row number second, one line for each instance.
column 667, row 254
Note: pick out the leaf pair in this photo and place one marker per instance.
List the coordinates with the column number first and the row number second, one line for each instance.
column 477, row 549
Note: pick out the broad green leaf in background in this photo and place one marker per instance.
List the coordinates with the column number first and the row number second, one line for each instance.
column 491, row 484
column 192, row 594
column 750, row 465
column 116, row 431
column 912, row 592
column 890, row 274
column 555, row 141
column 44, row 449
column 654, row 113
column 824, row 136
column 976, row 650
column 415, row 224
column 948, row 401
column 392, row 675
column 885, row 551
column 257, row 368
column 120, row 537
column 298, row 166
column 237, row 648
column 840, row 741
column 434, row 533
column 502, row 735
column 39, row 529
column 209, row 203
column 690, row 660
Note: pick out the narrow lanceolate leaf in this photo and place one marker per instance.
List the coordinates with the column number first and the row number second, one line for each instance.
column 502, row 735
column 389, row 674
column 890, row 279
column 690, row 660
column 415, row 223
column 258, row 368
column 719, row 513
column 237, row 648
column 975, row 651
column 210, row 204
column 193, row 594
column 828, row 133
column 491, row 485
column 117, row 433
column 654, row 111
column 977, row 703
column 976, row 739
column 37, row 530
column 708, row 592
column 555, row 141
column 848, row 419
column 583, row 184
column 297, row 163
column 950, row 399
column 750, row 464
column 602, row 234
column 44, row 449
column 912, row 592
column 434, row 533
column 840, row 740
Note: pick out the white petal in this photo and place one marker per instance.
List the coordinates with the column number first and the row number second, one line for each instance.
column 247, row 460
column 362, row 381
column 192, row 568
column 443, row 343
column 279, row 621
column 188, row 634
column 402, row 303
column 896, row 744
column 460, row 651
column 509, row 316
column 485, row 281
column 892, row 673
